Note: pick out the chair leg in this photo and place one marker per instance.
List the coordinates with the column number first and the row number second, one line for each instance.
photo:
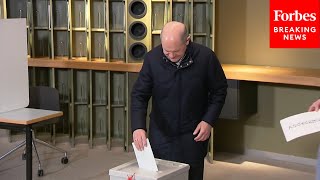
column 40, row 170
column 51, row 146
column 36, row 151
column 64, row 160
column 53, row 134
column 13, row 150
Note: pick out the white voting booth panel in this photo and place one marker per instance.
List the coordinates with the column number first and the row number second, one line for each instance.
column 168, row 170
column 14, row 91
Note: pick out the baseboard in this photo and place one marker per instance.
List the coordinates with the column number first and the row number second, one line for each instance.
column 281, row 157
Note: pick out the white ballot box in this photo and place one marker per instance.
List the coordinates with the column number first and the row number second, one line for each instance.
column 168, row 170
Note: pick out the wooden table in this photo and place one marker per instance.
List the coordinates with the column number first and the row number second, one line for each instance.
column 23, row 119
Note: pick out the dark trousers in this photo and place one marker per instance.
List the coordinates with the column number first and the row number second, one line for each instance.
column 196, row 172
column 182, row 149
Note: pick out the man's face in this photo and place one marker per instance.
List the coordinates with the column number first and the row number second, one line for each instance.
column 174, row 50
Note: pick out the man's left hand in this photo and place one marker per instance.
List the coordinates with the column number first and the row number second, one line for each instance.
column 203, row 130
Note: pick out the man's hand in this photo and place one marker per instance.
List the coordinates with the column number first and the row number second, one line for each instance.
column 315, row 106
column 139, row 139
column 203, row 130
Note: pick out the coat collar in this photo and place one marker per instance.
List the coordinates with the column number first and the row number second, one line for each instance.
column 186, row 61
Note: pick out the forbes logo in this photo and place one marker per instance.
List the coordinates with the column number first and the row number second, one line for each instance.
column 295, row 16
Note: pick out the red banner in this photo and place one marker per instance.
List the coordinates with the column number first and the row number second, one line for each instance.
column 294, row 24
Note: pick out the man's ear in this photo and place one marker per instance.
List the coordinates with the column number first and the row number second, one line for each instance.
column 188, row 40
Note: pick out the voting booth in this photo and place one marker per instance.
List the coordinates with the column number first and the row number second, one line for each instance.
column 168, row 170
column 14, row 91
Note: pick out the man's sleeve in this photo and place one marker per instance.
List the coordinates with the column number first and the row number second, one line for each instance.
column 140, row 95
column 217, row 84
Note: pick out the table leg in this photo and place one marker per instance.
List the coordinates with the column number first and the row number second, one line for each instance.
column 29, row 152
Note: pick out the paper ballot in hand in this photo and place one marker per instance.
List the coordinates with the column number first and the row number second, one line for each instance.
column 145, row 158
column 300, row 125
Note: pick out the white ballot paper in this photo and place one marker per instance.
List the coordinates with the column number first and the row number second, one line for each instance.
column 145, row 158
column 300, row 125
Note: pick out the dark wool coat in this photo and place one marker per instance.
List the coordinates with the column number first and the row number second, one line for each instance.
column 182, row 96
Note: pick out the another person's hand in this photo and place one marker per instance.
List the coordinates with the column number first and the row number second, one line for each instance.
column 202, row 131
column 315, row 106
column 139, row 139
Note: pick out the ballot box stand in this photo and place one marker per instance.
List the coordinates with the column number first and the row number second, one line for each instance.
column 167, row 170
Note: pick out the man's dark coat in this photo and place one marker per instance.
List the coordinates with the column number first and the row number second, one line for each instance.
column 182, row 96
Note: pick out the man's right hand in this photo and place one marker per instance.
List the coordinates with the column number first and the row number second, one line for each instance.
column 139, row 139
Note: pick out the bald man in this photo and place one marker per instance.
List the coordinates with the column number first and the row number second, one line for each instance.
column 188, row 89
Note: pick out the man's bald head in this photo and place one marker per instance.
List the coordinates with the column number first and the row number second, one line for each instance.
column 174, row 40
column 174, row 31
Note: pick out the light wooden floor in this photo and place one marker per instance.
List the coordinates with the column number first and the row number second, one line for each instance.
column 87, row 164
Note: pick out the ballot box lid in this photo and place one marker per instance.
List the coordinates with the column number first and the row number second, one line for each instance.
column 167, row 170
